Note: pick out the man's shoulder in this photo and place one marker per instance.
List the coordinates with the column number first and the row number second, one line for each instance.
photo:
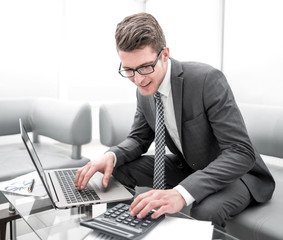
column 192, row 66
column 194, row 71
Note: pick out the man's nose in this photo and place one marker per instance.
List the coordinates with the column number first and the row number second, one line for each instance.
column 138, row 78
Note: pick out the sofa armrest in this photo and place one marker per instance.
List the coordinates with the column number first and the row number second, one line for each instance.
column 11, row 110
column 65, row 121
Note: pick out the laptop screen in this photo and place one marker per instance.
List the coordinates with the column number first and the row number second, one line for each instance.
column 34, row 157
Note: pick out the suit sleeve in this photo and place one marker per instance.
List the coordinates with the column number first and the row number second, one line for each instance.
column 236, row 154
column 138, row 141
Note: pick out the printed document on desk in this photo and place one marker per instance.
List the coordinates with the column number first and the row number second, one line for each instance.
column 20, row 185
column 170, row 228
column 181, row 228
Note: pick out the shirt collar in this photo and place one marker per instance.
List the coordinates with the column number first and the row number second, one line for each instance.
column 165, row 86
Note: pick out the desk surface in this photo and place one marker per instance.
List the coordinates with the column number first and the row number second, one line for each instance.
column 48, row 223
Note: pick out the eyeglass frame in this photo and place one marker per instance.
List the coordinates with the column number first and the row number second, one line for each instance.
column 137, row 69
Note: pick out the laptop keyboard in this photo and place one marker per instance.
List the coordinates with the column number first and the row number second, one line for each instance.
column 72, row 194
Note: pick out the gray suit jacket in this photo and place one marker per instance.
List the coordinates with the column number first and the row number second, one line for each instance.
column 213, row 135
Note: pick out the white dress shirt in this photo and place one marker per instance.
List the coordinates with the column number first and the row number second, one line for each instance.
column 170, row 123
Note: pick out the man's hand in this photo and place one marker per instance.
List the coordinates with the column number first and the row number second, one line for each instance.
column 104, row 164
column 167, row 201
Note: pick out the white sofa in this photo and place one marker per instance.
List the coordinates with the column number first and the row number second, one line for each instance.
column 63, row 121
column 67, row 123
column 265, row 127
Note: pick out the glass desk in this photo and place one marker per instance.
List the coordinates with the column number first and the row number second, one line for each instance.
column 49, row 223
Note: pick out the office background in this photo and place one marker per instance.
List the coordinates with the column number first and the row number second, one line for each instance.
column 65, row 49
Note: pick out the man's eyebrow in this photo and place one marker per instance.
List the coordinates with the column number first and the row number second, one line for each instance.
column 142, row 65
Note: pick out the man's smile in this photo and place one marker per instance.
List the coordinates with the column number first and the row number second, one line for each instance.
column 145, row 85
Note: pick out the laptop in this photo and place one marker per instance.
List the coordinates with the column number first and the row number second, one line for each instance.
column 58, row 182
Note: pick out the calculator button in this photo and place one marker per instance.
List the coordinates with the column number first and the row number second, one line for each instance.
column 126, row 208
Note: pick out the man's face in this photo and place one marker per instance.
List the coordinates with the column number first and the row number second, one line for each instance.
column 147, row 84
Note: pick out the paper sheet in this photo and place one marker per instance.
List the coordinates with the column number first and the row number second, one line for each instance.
column 19, row 185
column 181, row 228
column 170, row 228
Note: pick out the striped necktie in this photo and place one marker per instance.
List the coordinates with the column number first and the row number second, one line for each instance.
column 159, row 162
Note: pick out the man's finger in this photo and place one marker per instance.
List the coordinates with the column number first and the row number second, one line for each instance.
column 87, row 176
column 152, row 204
column 106, row 178
column 139, row 198
column 80, row 175
column 145, row 203
column 77, row 176
column 160, row 211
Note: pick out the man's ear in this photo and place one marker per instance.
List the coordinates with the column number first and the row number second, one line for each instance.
column 166, row 54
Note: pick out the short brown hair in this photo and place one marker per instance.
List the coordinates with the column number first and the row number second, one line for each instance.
column 138, row 31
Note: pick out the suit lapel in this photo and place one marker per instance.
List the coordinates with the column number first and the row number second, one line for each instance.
column 177, row 93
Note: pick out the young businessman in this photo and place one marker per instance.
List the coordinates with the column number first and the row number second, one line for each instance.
column 212, row 164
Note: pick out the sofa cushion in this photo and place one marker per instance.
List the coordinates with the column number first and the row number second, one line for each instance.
column 264, row 221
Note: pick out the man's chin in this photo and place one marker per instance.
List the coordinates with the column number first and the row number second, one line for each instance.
column 146, row 92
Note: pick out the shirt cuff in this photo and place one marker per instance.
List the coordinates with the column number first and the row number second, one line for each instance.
column 115, row 158
column 185, row 194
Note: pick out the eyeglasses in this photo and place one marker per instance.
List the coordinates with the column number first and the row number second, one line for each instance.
column 144, row 70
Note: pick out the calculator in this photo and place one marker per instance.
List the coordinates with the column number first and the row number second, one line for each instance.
column 117, row 222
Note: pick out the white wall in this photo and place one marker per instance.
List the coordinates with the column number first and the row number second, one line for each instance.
column 193, row 28
column 62, row 49
column 253, row 50
column 90, row 66
column 66, row 48
column 30, row 47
